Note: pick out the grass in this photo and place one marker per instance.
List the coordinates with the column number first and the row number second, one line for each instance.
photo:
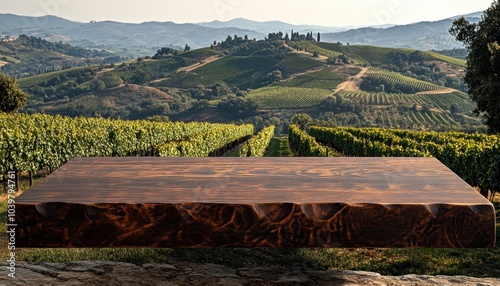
column 469, row 262
column 279, row 147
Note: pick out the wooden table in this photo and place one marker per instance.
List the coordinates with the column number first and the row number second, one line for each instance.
column 254, row 202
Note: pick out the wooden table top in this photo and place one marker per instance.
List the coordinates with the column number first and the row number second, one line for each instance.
column 253, row 180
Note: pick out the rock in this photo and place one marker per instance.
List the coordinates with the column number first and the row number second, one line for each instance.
column 183, row 273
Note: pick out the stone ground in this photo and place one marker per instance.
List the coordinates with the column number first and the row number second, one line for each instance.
column 116, row 273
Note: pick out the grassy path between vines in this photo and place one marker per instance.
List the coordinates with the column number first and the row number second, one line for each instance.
column 279, row 147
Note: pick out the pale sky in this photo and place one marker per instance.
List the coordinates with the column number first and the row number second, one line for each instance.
column 316, row 12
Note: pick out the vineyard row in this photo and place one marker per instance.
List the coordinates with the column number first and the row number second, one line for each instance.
column 473, row 157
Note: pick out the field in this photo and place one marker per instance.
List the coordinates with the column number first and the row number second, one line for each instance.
column 42, row 78
column 372, row 55
column 295, row 63
column 234, row 71
column 323, row 78
column 400, row 79
column 280, row 97
column 439, row 101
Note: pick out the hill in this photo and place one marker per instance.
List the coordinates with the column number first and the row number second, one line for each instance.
column 420, row 36
column 29, row 55
column 267, row 82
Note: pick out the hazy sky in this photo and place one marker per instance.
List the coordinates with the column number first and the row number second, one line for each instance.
column 320, row 12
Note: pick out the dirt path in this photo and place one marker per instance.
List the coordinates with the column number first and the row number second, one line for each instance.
column 198, row 65
column 2, row 63
column 440, row 91
column 353, row 83
column 101, row 72
column 190, row 68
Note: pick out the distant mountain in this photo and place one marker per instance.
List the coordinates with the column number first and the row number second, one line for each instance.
column 146, row 36
column 420, row 36
column 12, row 24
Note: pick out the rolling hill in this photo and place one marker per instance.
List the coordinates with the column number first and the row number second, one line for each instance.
column 29, row 55
column 243, row 80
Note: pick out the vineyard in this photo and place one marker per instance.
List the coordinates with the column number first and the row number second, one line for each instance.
column 399, row 79
column 324, row 79
column 234, row 71
column 280, row 97
column 304, row 145
column 474, row 157
column 441, row 101
column 37, row 142
column 376, row 56
column 257, row 145
column 294, row 63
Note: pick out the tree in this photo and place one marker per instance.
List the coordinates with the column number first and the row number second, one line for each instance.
column 272, row 77
column 237, row 106
column 303, row 120
column 483, row 63
column 187, row 48
column 11, row 96
column 319, row 37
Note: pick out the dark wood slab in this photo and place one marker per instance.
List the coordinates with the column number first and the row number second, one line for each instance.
column 254, row 202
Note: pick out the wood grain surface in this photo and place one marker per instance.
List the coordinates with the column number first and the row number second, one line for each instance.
column 254, row 202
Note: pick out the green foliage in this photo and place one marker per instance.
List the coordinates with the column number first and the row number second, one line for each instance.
column 60, row 47
column 11, row 96
column 446, row 58
column 297, row 63
column 305, row 145
column 201, row 145
column 238, row 106
column 111, row 80
column 257, row 145
column 31, row 143
column 272, row 77
column 395, row 82
column 483, row 62
column 474, row 157
column 279, row 97
column 400, row 100
column 302, row 120
column 29, row 55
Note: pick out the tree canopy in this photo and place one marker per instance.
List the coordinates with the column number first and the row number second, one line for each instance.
column 11, row 96
column 483, row 62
